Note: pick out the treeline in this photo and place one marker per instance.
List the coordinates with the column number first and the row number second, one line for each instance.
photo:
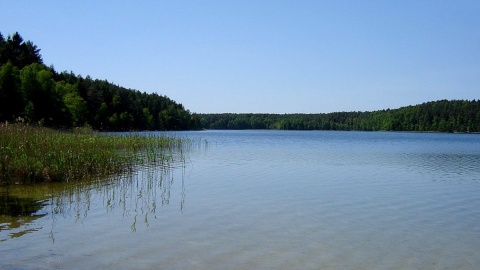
column 34, row 93
column 440, row 116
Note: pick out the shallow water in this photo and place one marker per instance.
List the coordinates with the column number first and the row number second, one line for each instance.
column 264, row 200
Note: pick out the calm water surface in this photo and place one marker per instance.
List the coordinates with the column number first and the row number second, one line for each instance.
column 263, row 200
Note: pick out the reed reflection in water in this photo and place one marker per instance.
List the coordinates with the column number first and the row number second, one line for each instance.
column 271, row 200
column 135, row 196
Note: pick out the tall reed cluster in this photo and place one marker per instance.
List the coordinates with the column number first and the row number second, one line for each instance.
column 35, row 154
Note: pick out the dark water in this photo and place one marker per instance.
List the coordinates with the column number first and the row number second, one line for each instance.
column 263, row 200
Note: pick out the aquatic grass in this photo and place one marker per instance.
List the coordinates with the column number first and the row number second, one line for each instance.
column 36, row 154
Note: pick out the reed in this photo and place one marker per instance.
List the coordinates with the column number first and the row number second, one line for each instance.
column 36, row 154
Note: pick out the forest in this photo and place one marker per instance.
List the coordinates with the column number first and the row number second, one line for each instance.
column 31, row 92
column 436, row 116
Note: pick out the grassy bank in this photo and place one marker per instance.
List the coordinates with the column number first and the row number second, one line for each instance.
column 34, row 154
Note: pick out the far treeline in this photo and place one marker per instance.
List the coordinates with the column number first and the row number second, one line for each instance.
column 33, row 93
column 437, row 116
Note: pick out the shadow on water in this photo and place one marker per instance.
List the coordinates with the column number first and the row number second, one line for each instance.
column 137, row 195
column 17, row 214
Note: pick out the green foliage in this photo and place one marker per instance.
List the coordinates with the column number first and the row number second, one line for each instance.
column 45, row 105
column 18, row 52
column 38, row 94
column 11, row 100
column 442, row 116
column 33, row 154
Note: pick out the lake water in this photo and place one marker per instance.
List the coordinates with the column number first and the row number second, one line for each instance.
column 263, row 200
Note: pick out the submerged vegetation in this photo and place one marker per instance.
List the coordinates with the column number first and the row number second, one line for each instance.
column 36, row 154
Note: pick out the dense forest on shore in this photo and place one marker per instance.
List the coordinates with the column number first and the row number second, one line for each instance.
column 440, row 116
column 31, row 92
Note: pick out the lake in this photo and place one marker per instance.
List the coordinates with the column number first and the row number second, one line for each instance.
column 262, row 200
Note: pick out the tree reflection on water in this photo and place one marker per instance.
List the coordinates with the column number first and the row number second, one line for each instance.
column 17, row 214
column 137, row 194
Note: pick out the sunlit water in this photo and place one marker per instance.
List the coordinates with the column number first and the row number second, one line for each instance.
column 263, row 200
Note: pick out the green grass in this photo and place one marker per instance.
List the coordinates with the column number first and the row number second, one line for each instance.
column 34, row 154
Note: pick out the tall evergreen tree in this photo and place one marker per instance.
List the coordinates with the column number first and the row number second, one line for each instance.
column 18, row 52
column 11, row 100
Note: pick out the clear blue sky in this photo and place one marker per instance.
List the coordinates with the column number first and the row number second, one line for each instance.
column 264, row 56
